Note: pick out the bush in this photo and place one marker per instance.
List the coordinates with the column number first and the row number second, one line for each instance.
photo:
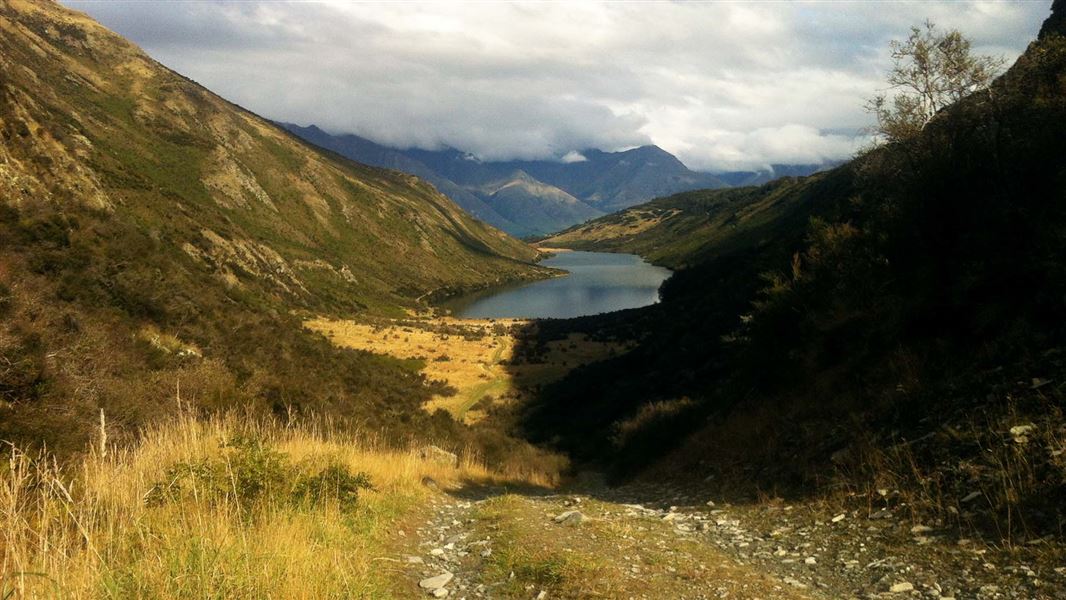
column 7, row 300
column 23, row 367
column 335, row 482
column 249, row 472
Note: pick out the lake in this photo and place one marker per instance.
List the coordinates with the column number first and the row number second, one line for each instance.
column 598, row 282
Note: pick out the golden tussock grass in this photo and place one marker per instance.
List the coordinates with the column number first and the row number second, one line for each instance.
column 476, row 357
column 466, row 354
column 92, row 530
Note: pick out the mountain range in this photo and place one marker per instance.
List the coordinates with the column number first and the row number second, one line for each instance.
column 538, row 197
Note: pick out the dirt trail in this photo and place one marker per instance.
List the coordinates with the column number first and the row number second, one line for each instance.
column 488, row 543
column 598, row 542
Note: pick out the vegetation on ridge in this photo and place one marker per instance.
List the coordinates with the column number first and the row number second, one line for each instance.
column 894, row 324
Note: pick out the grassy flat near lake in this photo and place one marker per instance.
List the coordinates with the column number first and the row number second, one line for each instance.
column 475, row 358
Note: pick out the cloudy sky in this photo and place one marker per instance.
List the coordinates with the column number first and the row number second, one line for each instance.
column 723, row 85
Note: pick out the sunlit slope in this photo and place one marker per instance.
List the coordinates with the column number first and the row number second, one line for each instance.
column 90, row 123
column 692, row 227
column 154, row 235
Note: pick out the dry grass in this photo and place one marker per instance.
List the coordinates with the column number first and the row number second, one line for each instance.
column 629, row 223
column 90, row 530
column 993, row 472
column 467, row 358
column 473, row 356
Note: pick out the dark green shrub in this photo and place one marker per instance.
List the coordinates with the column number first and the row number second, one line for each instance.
column 249, row 472
column 335, row 482
column 255, row 469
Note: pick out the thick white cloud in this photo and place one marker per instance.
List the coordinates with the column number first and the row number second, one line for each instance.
column 722, row 85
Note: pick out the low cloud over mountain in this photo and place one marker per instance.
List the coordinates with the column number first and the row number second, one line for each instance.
column 721, row 86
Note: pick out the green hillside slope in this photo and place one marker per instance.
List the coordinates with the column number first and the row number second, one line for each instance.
column 149, row 228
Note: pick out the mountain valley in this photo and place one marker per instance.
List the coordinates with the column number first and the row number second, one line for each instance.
column 228, row 367
column 535, row 198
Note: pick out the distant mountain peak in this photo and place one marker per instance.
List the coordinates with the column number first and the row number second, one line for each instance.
column 651, row 150
column 533, row 197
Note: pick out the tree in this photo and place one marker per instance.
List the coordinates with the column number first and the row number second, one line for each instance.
column 930, row 70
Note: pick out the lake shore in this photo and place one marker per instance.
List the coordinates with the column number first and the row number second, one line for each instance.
column 596, row 282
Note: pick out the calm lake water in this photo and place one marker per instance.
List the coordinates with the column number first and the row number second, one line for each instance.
column 598, row 282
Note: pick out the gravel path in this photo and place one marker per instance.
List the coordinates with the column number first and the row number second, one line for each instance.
column 799, row 550
column 445, row 543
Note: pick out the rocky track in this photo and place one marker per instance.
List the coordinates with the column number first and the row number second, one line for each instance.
column 614, row 543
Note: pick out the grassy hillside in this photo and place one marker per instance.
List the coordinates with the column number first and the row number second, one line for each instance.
column 365, row 151
column 153, row 234
column 693, row 227
column 890, row 330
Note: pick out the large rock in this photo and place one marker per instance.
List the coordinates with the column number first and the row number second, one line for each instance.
column 570, row 517
column 902, row 586
column 438, row 455
column 436, row 582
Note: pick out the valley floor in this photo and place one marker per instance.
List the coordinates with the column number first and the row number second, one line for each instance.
column 475, row 358
column 652, row 540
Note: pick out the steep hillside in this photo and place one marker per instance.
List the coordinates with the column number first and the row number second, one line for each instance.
column 150, row 228
column 890, row 331
column 539, row 207
column 367, row 152
column 526, row 206
column 604, row 181
column 611, row 181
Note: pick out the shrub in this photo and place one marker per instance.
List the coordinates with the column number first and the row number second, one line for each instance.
column 250, row 472
column 7, row 300
column 335, row 482
column 247, row 471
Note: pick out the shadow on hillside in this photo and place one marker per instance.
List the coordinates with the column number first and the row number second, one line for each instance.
column 623, row 410
column 580, row 411
column 827, row 440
